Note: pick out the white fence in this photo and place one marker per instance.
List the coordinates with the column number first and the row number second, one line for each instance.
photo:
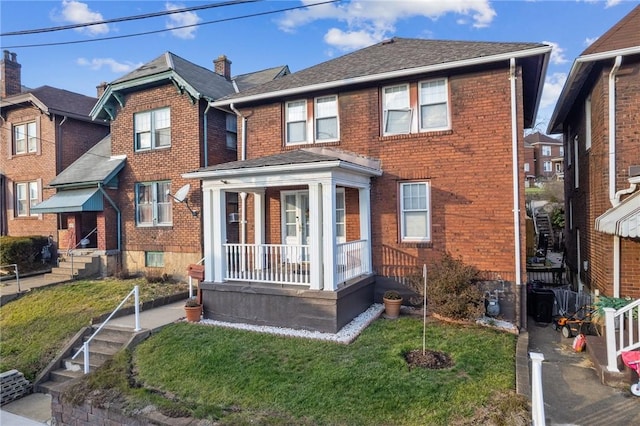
column 351, row 260
column 622, row 332
column 272, row 263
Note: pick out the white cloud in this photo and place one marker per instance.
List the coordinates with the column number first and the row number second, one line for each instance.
column 176, row 20
column 369, row 21
column 611, row 3
column 557, row 53
column 114, row 66
column 589, row 40
column 76, row 12
column 553, row 85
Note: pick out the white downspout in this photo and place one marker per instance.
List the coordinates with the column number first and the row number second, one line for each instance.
column 612, row 170
column 516, row 172
column 243, row 156
column 205, row 136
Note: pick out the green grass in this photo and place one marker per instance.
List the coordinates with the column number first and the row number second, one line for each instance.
column 249, row 376
column 36, row 326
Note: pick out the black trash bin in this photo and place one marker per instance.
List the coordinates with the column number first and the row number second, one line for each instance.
column 541, row 304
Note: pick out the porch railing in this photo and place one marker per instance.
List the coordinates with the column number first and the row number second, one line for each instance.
column 351, row 260
column 272, row 263
column 627, row 321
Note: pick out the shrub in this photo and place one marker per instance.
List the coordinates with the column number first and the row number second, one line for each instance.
column 452, row 289
column 24, row 251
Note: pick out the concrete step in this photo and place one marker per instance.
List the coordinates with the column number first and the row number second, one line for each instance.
column 596, row 349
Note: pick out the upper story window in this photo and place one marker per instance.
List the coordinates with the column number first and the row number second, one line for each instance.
column 25, row 138
column 326, row 118
column 415, row 214
column 546, row 150
column 396, row 110
column 561, row 151
column 152, row 129
column 434, row 109
column 526, row 167
column 296, row 117
column 432, row 103
column 153, row 204
column 26, row 196
column 232, row 131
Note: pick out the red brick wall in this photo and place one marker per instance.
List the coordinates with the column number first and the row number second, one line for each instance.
column 469, row 168
column 591, row 198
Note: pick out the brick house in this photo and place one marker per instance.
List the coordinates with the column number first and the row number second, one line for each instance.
column 162, row 124
column 598, row 114
column 44, row 130
column 363, row 168
column 529, row 164
column 548, row 154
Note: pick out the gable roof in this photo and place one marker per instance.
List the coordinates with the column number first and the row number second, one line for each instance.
column 51, row 100
column 93, row 167
column 622, row 39
column 401, row 57
column 196, row 81
column 537, row 138
column 245, row 81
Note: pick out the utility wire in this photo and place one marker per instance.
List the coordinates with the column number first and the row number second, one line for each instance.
column 126, row 18
column 253, row 15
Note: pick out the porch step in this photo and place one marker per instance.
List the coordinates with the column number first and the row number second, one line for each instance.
column 596, row 349
column 104, row 345
column 79, row 267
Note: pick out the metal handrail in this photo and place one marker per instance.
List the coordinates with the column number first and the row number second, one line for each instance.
column 79, row 242
column 85, row 346
column 15, row 268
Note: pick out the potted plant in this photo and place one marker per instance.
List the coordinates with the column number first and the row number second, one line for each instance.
column 193, row 310
column 392, row 302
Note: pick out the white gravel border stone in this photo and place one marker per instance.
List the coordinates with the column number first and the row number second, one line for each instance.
column 346, row 335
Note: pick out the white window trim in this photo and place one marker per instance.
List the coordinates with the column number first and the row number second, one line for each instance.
column 152, row 131
column 231, row 125
column 405, row 109
column 587, row 115
column 427, row 238
column 316, row 118
column 154, row 203
column 545, row 168
column 308, row 129
column 576, row 177
column 27, row 137
column 340, row 194
column 526, row 167
column 546, row 150
column 447, row 102
column 29, row 202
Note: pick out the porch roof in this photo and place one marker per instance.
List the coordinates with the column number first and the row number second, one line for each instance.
column 306, row 159
column 622, row 220
column 75, row 200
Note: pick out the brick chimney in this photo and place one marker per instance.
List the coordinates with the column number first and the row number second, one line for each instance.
column 100, row 88
column 222, row 66
column 10, row 75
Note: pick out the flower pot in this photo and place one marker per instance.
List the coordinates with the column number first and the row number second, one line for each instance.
column 392, row 307
column 193, row 313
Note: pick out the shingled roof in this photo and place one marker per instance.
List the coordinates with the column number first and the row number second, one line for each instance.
column 624, row 34
column 54, row 101
column 388, row 56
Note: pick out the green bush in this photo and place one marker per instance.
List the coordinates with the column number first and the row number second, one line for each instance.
column 24, row 251
column 452, row 289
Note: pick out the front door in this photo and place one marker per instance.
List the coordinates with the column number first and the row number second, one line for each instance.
column 295, row 222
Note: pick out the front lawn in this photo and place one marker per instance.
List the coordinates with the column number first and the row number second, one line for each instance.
column 242, row 377
column 36, row 326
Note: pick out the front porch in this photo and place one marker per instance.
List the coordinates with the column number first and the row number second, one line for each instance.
column 307, row 263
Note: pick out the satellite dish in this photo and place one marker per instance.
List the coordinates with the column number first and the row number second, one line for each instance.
column 181, row 194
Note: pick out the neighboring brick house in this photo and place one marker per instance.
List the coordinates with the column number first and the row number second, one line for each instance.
column 548, row 156
column 44, row 130
column 529, row 164
column 162, row 123
column 366, row 167
column 598, row 114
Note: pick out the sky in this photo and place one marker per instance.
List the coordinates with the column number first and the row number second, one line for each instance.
column 257, row 35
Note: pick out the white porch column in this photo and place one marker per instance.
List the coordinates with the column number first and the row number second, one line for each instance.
column 329, row 234
column 207, row 233
column 315, row 231
column 218, row 219
column 259, row 227
column 365, row 226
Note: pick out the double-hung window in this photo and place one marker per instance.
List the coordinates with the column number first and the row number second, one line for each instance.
column 547, row 166
column 396, row 110
column 326, row 118
column 26, row 196
column 434, row 108
column 296, row 118
column 25, row 140
column 415, row 206
column 546, row 150
column 152, row 129
column 153, row 204
column 232, row 131
column 341, row 217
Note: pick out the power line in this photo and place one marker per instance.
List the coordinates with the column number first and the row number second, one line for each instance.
column 126, row 18
column 253, row 15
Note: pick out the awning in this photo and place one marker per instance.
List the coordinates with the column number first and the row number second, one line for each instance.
column 72, row 200
column 622, row 220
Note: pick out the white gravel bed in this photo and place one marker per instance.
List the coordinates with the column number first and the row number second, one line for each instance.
column 346, row 335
